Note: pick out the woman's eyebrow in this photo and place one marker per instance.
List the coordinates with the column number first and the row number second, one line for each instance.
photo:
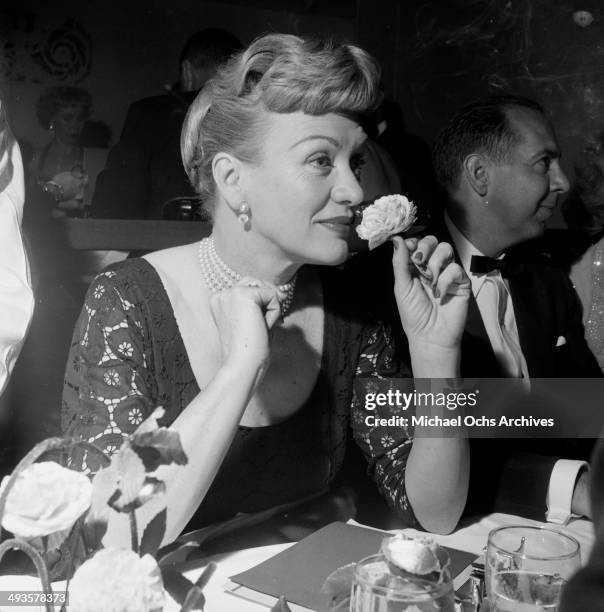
column 333, row 141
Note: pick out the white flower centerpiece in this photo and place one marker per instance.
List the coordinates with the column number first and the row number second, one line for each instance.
column 387, row 216
column 58, row 517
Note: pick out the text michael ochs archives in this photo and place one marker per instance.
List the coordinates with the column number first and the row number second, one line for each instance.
column 427, row 402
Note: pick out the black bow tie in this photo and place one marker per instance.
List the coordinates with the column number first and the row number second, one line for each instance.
column 507, row 266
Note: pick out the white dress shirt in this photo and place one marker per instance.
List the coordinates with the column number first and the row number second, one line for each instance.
column 16, row 295
column 488, row 290
column 565, row 472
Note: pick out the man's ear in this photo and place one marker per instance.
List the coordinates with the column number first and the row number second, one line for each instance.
column 476, row 172
column 226, row 170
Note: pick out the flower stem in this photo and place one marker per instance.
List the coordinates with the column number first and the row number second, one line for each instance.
column 133, row 531
column 36, row 557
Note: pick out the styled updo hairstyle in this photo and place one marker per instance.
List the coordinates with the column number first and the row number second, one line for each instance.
column 279, row 73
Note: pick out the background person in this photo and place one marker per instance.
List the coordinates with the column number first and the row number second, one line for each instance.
column 248, row 339
column 144, row 170
column 58, row 175
column 584, row 214
column 498, row 160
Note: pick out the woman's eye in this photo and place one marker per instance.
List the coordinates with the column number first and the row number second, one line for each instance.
column 322, row 162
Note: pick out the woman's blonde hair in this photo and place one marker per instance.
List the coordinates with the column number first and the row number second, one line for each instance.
column 280, row 73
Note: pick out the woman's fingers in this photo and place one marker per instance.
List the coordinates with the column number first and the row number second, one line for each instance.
column 452, row 280
column 422, row 255
column 265, row 295
column 439, row 259
column 400, row 262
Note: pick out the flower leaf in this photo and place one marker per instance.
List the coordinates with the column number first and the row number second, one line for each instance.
column 207, row 573
column 56, row 539
column 150, row 423
column 104, row 485
column 195, row 600
column 176, row 584
column 154, row 534
column 151, row 487
column 175, row 552
column 159, row 447
column 131, row 475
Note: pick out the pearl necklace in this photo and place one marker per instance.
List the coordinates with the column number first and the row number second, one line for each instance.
column 218, row 276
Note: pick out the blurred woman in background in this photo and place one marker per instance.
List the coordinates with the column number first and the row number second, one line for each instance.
column 584, row 213
column 58, row 177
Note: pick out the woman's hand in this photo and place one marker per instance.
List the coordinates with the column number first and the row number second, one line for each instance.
column 432, row 304
column 71, row 185
column 244, row 316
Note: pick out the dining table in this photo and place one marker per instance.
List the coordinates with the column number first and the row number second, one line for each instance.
column 470, row 537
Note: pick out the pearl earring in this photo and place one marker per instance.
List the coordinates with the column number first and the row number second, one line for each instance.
column 243, row 215
column 486, row 202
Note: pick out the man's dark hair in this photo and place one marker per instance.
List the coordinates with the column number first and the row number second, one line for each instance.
column 481, row 126
column 210, row 47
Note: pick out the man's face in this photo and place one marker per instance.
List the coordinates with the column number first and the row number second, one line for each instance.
column 523, row 191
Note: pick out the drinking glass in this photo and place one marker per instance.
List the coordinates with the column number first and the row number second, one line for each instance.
column 375, row 588
column 526, row 568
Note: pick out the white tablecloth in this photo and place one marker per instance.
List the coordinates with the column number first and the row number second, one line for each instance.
column 471, row 539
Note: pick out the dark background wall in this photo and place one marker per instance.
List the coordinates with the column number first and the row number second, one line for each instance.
column 123, row 51
column 436, row 54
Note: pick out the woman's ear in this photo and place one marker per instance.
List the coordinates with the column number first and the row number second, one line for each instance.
column 476, row 173
column 226, row 170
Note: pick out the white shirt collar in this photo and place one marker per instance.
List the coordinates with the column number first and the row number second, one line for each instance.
column 465, row 249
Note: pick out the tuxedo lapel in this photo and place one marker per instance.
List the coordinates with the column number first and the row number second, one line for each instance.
column 477, row 356
column 534, row 320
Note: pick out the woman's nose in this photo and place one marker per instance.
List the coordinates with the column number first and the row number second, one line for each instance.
column 347, row 190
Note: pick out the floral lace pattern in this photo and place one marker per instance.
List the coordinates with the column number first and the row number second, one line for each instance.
column 386, row 448
column 127, row 357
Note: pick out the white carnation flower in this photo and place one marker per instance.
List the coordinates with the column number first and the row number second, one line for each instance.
column 387, row 216
column 117, row 580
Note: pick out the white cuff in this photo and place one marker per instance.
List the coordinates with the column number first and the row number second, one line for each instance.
column 560, row 491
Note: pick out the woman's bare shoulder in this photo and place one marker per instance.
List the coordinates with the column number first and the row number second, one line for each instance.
column 174, row 261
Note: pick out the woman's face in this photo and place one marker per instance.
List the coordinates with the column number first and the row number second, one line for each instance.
column 302, row 190
column 68, row 123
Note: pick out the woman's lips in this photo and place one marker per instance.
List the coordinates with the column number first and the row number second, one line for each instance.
column 339, row 225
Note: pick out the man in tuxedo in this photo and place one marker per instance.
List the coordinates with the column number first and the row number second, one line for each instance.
column 498, row 163
column 144, row 170
column 498, row 160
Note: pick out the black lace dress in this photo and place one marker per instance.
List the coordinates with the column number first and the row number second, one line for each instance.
column 128, row 357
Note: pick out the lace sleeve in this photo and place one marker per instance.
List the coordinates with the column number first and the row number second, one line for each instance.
column 109, row 387
column 386, row 448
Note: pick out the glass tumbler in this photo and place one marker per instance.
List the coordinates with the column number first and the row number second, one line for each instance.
column 377, row 587
column 527, row 567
